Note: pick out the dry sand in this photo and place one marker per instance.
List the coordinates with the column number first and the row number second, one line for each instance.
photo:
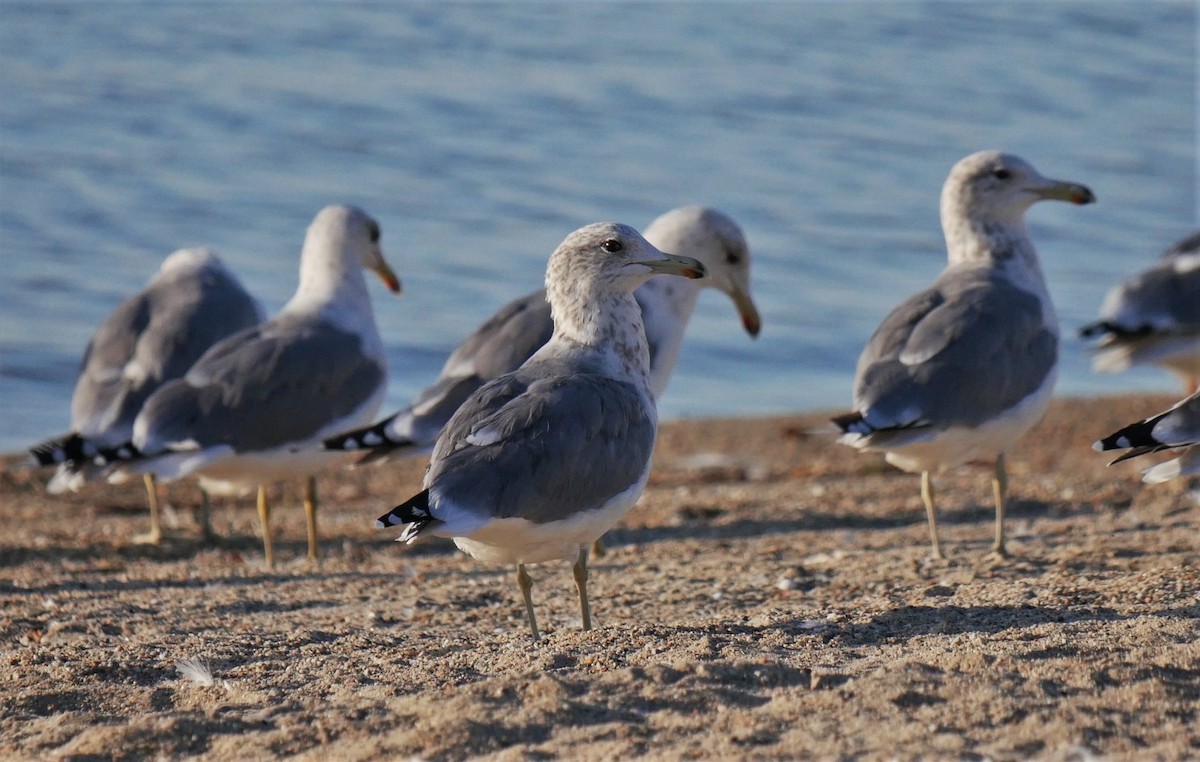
column 771, row 596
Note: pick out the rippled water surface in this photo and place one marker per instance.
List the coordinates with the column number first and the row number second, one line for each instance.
column 479, row 135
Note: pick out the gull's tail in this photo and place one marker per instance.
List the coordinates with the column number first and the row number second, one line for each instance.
column 414, row 512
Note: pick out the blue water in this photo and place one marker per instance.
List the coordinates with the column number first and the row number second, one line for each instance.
column 479, row 135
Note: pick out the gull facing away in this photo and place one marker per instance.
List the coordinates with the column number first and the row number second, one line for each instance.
column 538, row 463
column 254, row 408
column 1154, row 317
column 190, row 303
column 959, row 371
column 513, row 334
column 1175, row 429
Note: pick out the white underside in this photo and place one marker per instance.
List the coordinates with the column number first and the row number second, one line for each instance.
column 1180, row 354
column 515, row 540
column 1185, row 465
column 958, row 445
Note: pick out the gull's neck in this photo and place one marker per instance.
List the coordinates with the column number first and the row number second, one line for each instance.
column 666, row 304
column 610, row 329
column 332, row 289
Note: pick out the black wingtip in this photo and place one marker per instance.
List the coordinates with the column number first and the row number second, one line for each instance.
column 68, row 448
column 369, row 438
column 412, row 511
column 848, row 422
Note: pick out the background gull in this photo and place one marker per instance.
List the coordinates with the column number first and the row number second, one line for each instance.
column 959, row 371
column 1154, row 317
column 518, row 329
column 540, row 462
column 252, row 410
column 1175, row 429
column 150, row 338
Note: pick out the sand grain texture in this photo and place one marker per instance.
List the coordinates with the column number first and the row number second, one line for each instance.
column 771, row 597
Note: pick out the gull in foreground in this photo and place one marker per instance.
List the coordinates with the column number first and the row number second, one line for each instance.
column 538, row 463
column 1175, row 429
column 959, row 371
column 154, row 336
column 523, row 325
column 1154, row 317
column 254, row 408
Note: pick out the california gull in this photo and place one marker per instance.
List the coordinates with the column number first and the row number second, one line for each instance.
column 190, row 303
column 1154, row 317
column 959, row 371
column 538, row 463
column 513, row 334
column 254, row 409
column 1177, row 428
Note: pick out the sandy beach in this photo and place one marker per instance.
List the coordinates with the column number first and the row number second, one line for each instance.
column 772, row 596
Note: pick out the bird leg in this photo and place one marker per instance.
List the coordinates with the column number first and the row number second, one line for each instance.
column 206, row 529
column 526, row 584
column 931, row 514
column 155, row 535
column 310, row 513
column 264, row 518
column 581, row 578
column 999, row 492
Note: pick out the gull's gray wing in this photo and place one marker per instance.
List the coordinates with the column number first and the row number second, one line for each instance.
column 957, row 354
column 151, row 337
column 543, row 446
column 281, row 382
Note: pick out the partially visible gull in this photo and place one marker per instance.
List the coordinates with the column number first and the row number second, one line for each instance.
column 255, row 407
column 1154, row 317
column 513, row 334
column 538, row 463
column 959, row 371
column 154, row 336
column 1175, row 429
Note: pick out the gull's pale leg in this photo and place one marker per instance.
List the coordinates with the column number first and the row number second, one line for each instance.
column 264, row 518
column 310, row 513
column 526, row 585
column 206, row 528
column 931, row 514
column 1000, row 493
column 581, row 578
column 155, row 535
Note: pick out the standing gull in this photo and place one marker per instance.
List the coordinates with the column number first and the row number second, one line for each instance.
column 959, row 371
column 1175, row 429
column 254, row 408
column 154, row 336
column 538, row 463
column 1154, row 317
column 523, row 325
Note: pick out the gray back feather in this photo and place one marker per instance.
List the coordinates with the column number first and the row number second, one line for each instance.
column 974, row 343
column 569, row 440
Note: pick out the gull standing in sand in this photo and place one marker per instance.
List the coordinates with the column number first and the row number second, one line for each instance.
column 154, row 336
column 254, row 408
column 538, row 463
column 523, row 325
column 1154, row 317
column 1175, row 429
column 959, row 371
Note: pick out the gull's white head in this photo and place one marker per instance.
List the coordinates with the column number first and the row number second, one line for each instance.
column 996, row 187
column 191, row 260
column 342, row 235
column 714, row 239
column 608, row 258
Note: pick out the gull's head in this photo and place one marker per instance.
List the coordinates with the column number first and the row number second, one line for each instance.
column 997, row 187
column 609, row 257
column 716, row 241
column 193, row 260
column 351, row 234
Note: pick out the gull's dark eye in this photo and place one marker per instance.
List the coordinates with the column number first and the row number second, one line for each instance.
column 374, row 232
column 612, row 246
column 732, row 258
column 1001, row 173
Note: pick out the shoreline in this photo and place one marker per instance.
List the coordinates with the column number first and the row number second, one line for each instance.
column 771, row 596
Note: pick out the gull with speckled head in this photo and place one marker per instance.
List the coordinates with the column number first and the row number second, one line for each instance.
column 1154, row 317
column 1177, row 428
column 958, row 372
column 522, row 326
column 254, row 409
column 538, row 463
column 154, row 336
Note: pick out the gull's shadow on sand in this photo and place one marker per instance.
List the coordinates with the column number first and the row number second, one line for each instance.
column 808, row 520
